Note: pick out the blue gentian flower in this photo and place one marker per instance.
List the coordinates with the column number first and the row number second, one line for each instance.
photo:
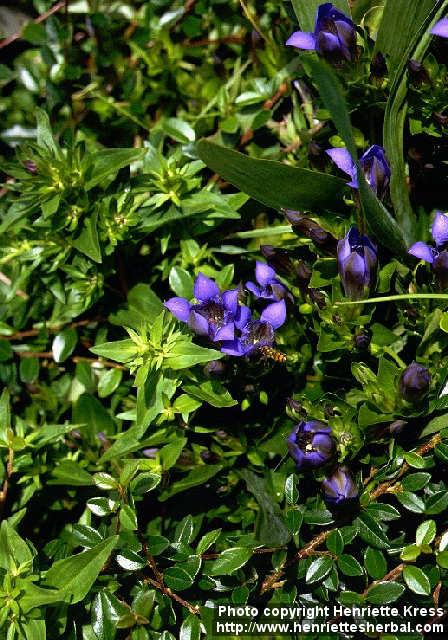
column 339, row 488
column 357, row 260
column 256, row 334
column 373, row 163
column 437, row 256
column 334, row 35
column 441, row 28
column 214, row 314
column 414, row 383
column 310, row 444
column 269, row 287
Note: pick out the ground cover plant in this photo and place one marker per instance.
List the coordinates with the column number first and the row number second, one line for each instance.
column 223, row 313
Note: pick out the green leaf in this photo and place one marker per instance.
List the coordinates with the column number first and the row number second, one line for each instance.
column 273, row 183
column 411, row 501
column 120, row 351
column 170, row 452
column 426, row 532
column 44, row 133
column 436, row 503
column 349, row 565
column 197, row 476
column 319, row 569
column 109, row 382
column 306, row 11
column 400, row 43
column 335, row 542
column 229, row 561
column 105, row 164
column 185, row 354
column 5, row 416
column 371, row 531
column 182, row 575
column 375, row 563
column 181, row 282
column 384, row 592
column 415, row 460
column 64, row 344
column 14, row 551
column 157, row 544
column 90, row 412
column 416, row 580
column 410, row 553
column 415, row 481
column 291, row 492
column 130, row 560
column 87, row 242
column 71, row 473
column 441, row 451
column 207, row 540
column 379, row 220
column 190, row 629
column 74, row 576
column 213, row 392
column 106, row 611
column 270, row 529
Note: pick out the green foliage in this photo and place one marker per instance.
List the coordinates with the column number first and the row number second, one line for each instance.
column 144, row 474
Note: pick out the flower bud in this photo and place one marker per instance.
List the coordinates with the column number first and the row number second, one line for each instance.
column 339, row 488
column 302, row 225
column 378, row 66
column 357, row 262
column 310, row 444
column 362, row 341
column 414, row 383
column 418, row 73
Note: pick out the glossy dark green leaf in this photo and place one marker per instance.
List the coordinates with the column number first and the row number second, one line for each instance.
column 384, row 592
column 274, row 184
column 416, row 580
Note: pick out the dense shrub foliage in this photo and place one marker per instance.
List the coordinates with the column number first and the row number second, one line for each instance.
column 223, row 311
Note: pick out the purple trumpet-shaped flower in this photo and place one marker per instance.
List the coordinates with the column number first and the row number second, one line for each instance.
column 334, row 35
column 268, row 287
column 414, row 383
column 256, row 334
column 310, row 444
column 373, row 163
column 339, row 488
column 441, row 28
column 436, row 256
column 214, row 314
column 357, row 259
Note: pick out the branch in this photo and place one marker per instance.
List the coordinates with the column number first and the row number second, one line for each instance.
column 159, row 584
column 15, row 36
column 273, row 580
column 9, row 472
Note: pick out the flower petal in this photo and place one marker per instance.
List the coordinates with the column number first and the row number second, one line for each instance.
column 179, row 307
column 302, row 40
column 230, row 299
column 342, row 159
column 264, row 273
column 198, row 324
column 242, row 317
column 441, row 28
column 205, row 288
column 233, row 348
column 440, row 229
column 227, row 332
column 423, row 251
column 252, row 287
column 275, row 314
